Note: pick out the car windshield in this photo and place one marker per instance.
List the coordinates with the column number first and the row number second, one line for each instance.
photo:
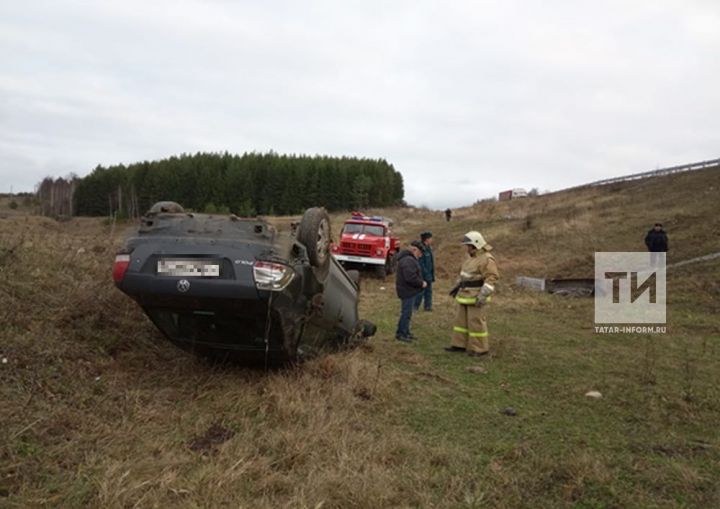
column 378, row 231
column 367, row 229
column 353, row 228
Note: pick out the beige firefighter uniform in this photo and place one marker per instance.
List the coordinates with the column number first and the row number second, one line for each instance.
column 470, row 330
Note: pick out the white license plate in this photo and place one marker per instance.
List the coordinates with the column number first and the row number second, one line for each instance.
column 354, row 258
column 188, row 268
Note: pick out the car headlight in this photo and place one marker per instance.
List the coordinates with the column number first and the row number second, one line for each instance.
column 272, row 276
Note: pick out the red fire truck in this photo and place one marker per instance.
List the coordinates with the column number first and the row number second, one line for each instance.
column 367, row 242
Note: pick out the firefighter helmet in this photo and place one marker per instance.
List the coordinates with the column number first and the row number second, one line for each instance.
column 474, row 239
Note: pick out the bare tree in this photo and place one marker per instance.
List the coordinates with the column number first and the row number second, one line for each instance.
column 55, row 197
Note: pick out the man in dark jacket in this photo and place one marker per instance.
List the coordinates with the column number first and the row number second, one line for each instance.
column 657, row 242
column 427, row 265
column 408, row 283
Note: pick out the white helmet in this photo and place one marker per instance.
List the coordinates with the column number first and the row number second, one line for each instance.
column 475, row 239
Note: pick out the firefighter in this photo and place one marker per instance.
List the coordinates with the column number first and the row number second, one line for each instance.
column 473, row 292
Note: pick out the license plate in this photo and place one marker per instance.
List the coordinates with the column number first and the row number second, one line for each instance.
column 188, row 268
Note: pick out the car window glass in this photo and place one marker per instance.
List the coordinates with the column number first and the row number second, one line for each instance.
column 374, row 230
column 352, row 228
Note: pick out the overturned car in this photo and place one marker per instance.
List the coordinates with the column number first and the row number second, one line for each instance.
column 230, row 287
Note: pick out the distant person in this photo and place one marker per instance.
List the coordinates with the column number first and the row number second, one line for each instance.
column 427, row 265
column 656, row 241
column 448, row 215
column 478, row 276
column 408, row 283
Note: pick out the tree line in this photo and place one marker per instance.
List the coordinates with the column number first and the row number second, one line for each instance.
column 55, row 197
column 246, row 185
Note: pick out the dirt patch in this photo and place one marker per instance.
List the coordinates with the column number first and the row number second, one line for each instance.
column 435, row 377
column 209, row 441
column 410, row 357
column 681, row 449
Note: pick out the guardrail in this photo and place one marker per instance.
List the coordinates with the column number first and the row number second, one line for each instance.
column 653, row 173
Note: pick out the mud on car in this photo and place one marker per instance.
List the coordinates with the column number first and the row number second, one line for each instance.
column 230, row 287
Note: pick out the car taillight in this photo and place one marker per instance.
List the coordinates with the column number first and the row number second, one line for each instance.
column 120, row 267
column 272, row 276
column 379, row 251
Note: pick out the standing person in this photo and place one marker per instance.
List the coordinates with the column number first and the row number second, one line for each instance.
column 478, row 276
column 448, row 215
column 656, row 241
column 427, row 264
column 408, row 283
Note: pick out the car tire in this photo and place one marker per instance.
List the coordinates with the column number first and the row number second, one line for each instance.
column 314, row 233
column 381, row 271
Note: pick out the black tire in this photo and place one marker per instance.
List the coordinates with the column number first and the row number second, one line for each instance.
column 367, row 329
column 314, row 233
column 381, row 271
column 391, row 264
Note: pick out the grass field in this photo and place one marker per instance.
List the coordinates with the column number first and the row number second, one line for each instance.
column 99, row 411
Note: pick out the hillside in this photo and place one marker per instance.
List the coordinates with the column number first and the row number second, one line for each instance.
column 99, row 411
column 557, row 234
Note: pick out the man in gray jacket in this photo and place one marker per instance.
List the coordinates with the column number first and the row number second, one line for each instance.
column 408, row 283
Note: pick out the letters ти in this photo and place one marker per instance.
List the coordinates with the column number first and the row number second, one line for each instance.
column 635, row 290
column 616, row 277
column 650, row 283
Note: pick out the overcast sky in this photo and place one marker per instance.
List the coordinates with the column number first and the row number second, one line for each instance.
column 464, row 98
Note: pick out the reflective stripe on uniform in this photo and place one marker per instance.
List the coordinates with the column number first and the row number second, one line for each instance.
column 477, row 334
column 460, row 329
column 466, row 300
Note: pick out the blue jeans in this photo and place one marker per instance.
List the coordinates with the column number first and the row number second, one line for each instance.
column 427, row 293
column 406, row 309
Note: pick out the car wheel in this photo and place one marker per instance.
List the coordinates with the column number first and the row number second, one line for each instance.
column 314, row 233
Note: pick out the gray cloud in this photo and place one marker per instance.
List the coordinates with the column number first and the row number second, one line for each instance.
column 464, row 98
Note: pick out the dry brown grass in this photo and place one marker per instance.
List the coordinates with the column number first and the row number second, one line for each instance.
column 105, row 413
column 99, row 411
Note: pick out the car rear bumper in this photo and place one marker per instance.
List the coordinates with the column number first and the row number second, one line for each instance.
column 144, row 287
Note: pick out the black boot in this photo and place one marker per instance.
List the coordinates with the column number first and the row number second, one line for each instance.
column 477, row 354
column 455, row 349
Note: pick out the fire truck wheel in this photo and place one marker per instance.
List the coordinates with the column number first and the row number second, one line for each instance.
column 391, row 264
column 381, row 271
column 314, row 233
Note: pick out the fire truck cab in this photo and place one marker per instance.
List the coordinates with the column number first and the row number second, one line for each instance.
column 367, row 242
